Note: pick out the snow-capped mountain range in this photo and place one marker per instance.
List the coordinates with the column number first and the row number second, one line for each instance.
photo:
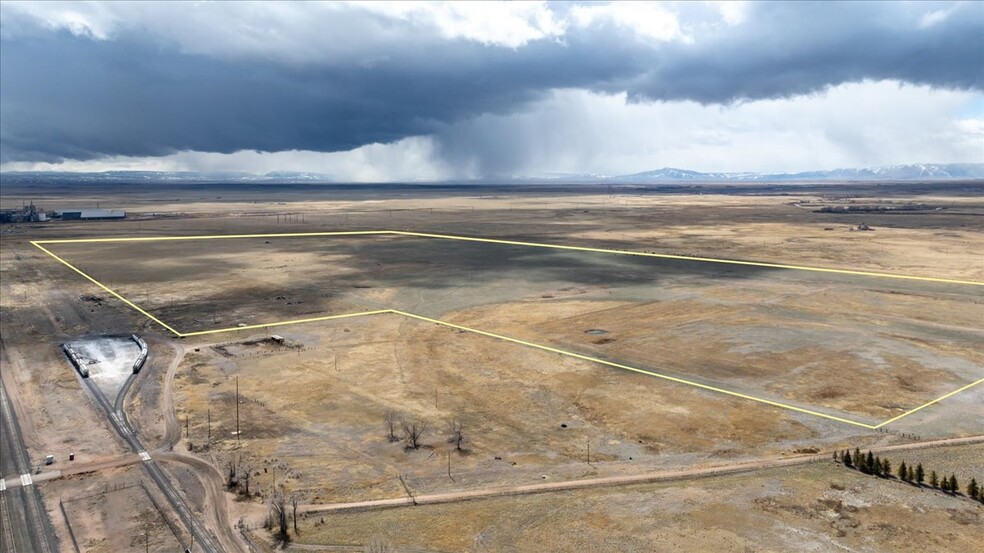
column 919, row 171
column 914, row 172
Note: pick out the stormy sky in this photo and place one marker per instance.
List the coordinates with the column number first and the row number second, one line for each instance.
column 427, row 91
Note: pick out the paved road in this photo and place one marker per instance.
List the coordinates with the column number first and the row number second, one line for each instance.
column 24, row 523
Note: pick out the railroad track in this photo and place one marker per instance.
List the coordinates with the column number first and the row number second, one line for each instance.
column 39, row 529
column 202, row 537
column 7, row 535
column 36, row 520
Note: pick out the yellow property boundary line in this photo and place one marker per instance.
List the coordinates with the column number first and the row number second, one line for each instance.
column 514, row 243
column 39, row 244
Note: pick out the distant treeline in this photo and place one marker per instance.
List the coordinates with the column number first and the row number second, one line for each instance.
column 869, row 463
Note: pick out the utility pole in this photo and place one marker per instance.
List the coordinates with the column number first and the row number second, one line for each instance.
column 237, row 410
column 186, row 427
column 210, row 425
column 589, row 451
column 449, row 466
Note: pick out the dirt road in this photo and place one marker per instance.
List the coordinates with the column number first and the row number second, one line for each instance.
column 216, row 502
column 172, row 432
column 660, row 476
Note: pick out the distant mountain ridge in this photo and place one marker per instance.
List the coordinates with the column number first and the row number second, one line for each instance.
column 913, row 172
column 918, row 171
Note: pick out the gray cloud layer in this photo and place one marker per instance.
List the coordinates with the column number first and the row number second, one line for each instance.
column 66, row 95
column 798, row 48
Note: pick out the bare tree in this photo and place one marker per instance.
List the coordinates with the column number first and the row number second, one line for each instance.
column 392, row 421
column 246, row 468
column 294, row 498
column 378, row 544
column 412, row 430
column 278, row 511
column 456, row 433
column 232, row 466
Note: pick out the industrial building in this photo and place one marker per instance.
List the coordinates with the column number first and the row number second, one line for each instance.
column 90, row 214
column 34, row 214
column 27, row 214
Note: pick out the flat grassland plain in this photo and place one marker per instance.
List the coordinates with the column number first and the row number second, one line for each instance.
column 313, row 409
column 734, row 327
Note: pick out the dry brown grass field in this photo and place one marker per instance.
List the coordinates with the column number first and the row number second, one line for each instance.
column 313, row 409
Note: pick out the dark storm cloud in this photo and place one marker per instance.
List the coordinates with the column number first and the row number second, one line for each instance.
column 68, row 97
column 798, row 48
column 64, row 96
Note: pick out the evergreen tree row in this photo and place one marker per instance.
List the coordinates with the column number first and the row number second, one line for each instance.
column 872, row 464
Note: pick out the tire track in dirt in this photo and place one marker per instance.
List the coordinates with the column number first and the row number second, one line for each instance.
column 215, row 496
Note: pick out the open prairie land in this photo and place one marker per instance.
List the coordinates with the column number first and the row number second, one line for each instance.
column 752, row 364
